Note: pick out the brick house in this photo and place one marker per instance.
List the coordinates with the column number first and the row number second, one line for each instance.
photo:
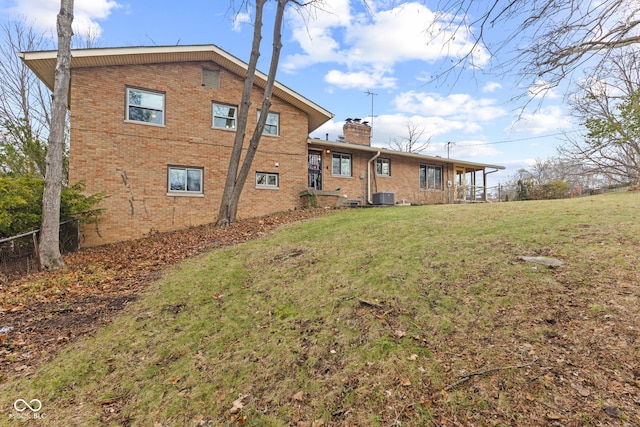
column 153, row 128
column 351, row 171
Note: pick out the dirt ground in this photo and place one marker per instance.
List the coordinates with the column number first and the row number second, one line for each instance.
column 42, row 313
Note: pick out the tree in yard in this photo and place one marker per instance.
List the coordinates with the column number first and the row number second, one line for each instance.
column 50, row 257
column 24, row 103
column 551, row 39
column 608, row 105
column 24, row 99
column 21, row 152
column 413, row 142
column 239, row 167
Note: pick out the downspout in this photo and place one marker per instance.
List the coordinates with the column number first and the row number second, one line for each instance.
column 484, row 177
column 369, row 200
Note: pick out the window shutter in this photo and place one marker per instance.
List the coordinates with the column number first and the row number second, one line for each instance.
column 211, row 78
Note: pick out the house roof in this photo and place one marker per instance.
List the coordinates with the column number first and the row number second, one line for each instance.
column 384, row 151
column 43, row 64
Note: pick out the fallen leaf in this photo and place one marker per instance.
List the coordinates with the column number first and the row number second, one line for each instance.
column 553, row 416
column 299, row 396
column 399, row 333
column 238, row 404
column 581, row 390
column 405, row 383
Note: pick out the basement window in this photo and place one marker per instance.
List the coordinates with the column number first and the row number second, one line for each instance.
column 145, row 106
column 185, row 180
column 267, row 180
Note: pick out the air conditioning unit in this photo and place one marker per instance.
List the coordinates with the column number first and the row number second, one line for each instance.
column 383, row 199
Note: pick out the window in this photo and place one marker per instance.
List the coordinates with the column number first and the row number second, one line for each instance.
column 272, row 125
column 341, row 164
column 185, row 180
column 145, row 106
column 267, row 180
column 224, row 116
column 431, row 177
column 383, row 167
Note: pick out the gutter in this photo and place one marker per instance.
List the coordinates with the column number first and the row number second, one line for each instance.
column 485, row 181
column 369, row 200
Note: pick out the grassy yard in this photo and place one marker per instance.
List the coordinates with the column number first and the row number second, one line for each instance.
column 411, row 316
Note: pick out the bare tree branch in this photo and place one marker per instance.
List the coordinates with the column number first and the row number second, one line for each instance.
column 552, row 39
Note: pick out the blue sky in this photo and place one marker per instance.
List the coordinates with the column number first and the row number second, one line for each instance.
column 343, row 54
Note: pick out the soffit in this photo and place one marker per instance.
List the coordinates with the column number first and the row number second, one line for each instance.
column 43, row 64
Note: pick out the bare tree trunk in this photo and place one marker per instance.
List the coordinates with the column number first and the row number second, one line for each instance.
column 50, row 257
column 236, row 175
column 228, row 209
column 266, row 103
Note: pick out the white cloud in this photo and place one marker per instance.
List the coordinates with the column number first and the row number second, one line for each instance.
column 491, row 87
column 457, row 106
column 548, row 119
column 377, row 40
column 43, row 14
column 239, row 19
column 472, row 148
column 359, row 80
column 395, row 126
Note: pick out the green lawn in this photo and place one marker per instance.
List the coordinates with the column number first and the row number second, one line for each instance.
column 407, row 316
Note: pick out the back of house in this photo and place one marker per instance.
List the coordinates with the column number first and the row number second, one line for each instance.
column 153, row 128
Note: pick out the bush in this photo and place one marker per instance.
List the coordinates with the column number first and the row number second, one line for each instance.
column 21, row 204
column 553, row 190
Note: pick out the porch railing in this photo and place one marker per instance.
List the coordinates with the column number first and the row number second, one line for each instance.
column 470, row 193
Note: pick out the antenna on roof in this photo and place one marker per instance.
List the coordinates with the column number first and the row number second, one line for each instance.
column 368, row 92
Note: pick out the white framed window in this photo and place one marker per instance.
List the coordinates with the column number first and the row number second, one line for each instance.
column 267, row 180
column 430, row 177
column 185, row 180
column 272, row 125
column 341, row 164
column 383, row 167
column 225, row 116
column 145, row 106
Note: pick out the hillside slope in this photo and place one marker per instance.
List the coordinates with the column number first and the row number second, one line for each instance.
column 401, row 316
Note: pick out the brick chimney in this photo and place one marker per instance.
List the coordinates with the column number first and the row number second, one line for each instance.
column 357, row 132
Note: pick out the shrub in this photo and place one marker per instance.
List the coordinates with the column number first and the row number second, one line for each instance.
column 21, row 204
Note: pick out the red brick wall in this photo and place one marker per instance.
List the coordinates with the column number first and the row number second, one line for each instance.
column 128, row 161
column 404, row 180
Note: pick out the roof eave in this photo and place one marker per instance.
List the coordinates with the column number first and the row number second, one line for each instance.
column 370, row 149
column 43, row 64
